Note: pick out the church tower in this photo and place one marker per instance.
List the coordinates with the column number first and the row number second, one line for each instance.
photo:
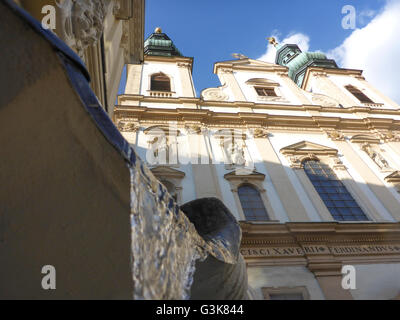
column 164, row 73
column 304, row 153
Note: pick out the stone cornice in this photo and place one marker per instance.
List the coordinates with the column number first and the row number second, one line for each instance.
column 231, row 104
column 249, row 65
column 174, row 59
column 263, row 120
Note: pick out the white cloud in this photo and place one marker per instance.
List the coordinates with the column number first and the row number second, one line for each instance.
column 376, row 50
column 300, row 39
column 365, row 16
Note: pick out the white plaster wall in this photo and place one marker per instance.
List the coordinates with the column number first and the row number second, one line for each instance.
column 188, row 187
column 283, row 276
column 377, row 281
column 250, row 93
column 228, row 91
column 272, row 194
column 375, row 169
column 340, row 115
column 361, row 183
column 342, row 80
column 170, row 69
column 217, row 157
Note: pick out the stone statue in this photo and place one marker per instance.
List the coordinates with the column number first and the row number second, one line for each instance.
column 375, row 156
column 237, row 155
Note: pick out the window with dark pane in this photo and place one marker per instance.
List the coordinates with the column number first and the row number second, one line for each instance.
column 333, row 193
column 160, row 82
column 252, row 204
column 358, row 94
column 270, row 92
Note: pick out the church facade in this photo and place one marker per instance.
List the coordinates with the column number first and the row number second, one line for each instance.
column 305, row 154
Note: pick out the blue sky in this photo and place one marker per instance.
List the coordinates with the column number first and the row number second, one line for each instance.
column 211, row 31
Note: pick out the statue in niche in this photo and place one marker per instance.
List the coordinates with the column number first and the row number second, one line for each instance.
column 375, row 156
column 237, row 154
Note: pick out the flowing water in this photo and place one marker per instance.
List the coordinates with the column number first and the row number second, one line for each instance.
column 165, row 244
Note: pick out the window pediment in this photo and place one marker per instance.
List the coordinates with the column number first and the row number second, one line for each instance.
column 156, row 130
column 167, row 172
column 308, row 148
column 362, row 138
column 299, row 152
column 262, row 82
column 394, row 177
column 253, row 176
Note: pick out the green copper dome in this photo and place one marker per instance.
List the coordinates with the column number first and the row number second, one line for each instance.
column 159, row 44
column 290, row 55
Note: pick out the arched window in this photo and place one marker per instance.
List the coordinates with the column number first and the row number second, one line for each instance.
column 252, row 204
column 333, row 192
column 160, row 82
column 358, row 94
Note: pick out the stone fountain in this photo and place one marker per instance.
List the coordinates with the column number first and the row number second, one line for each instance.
column 76, row 196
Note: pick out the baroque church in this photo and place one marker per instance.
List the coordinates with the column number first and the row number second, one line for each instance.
column 305, row 154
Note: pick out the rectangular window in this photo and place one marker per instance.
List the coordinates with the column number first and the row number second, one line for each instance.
column 266, row 92
column 358, row 94
column 333, row 192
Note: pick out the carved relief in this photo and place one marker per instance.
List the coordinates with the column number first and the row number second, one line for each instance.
column 380, row 161
column 183, row 65
column 260, row 133
column 125, row 126
column 336, row 135
column 194, row 129
column 390, row 136
column 215, row 94
column 225, row 70
column 324, row 100
column 82, row 22
column 320, row 74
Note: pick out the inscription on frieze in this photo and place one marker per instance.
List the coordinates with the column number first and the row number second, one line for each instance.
column 297, row 251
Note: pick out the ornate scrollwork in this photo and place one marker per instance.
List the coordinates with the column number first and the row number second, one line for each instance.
column 195, row 129
column 82, row 22
column 125, row 126
column 324, row 100
column 215, row 94
column 390, row 137
column 335, row 135
column 260, row 133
